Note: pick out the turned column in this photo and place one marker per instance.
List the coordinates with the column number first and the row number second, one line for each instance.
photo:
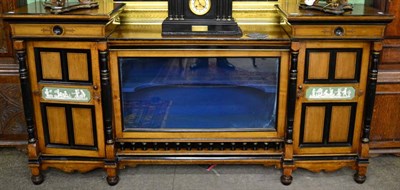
column 106, row 99
column 288, row 163
column 33, row 152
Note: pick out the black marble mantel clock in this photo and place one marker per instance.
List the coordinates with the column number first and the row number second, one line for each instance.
column 200, row 17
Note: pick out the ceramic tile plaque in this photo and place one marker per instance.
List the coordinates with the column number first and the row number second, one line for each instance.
column 330, row 93
column 66, row 94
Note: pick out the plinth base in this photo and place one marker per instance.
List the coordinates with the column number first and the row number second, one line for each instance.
column 200, row 27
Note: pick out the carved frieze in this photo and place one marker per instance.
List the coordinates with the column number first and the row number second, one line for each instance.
column 330, row 93
column 11, row 113
column 66, row 94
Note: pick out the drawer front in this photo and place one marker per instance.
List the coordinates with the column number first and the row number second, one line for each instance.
column 338, row 31
column 58, row 30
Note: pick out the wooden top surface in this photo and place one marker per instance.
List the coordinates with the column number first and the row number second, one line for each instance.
column 36, row 11
column 251, row 33
column 360, row 14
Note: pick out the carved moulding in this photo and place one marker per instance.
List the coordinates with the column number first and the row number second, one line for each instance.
column 72, row 166
column 11, row 112
column 326, row 166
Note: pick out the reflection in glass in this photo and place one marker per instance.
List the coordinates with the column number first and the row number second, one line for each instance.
column 200, row 94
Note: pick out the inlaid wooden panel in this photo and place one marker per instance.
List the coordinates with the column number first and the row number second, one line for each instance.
column 314, row 124
column 78, row 66
column 340, row 123
column 335, row 65
column 318, row 65
column 51, row 65
column 70, row 30
column 57, row 125
column 83, row 126
column 328, row 31
column 345, row 65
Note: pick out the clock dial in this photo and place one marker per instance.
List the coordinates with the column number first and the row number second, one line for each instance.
column 200, row 7
column 309, row 2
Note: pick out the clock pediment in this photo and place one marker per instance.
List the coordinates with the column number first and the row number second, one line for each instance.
column 200, row 17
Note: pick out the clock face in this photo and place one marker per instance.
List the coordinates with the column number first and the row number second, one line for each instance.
column 309, row 2
column 200, row 7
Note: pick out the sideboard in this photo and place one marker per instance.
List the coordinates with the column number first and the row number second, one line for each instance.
column 101, row 93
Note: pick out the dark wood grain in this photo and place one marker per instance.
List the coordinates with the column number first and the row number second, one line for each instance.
column 5, row 42
column 393, row 29
column 385, row 126
column 385, row 129
column 12, row 122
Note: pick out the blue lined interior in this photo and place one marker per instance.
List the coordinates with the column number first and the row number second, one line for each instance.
column 199, row 94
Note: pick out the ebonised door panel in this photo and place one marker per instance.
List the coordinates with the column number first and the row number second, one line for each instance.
column 329, row 108
column 66, row 92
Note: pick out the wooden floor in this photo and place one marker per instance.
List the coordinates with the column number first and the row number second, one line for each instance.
column 14, row 174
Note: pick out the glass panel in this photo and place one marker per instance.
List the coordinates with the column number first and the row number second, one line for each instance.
column 205, row 94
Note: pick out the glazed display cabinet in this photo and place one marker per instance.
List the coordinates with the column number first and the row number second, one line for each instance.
column 104, row 88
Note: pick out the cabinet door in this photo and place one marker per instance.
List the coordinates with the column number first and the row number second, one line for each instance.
column 331, row 87
column 66, row 94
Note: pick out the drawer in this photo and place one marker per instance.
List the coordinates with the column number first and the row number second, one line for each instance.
column 59, row 30
column 338, row 31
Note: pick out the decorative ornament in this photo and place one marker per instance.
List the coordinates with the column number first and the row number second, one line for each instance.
column 200, row 17
column 61, row 6
column 331, row 6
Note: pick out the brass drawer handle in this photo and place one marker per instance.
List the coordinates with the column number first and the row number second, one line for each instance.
column 339, row 31
column 58, row 30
